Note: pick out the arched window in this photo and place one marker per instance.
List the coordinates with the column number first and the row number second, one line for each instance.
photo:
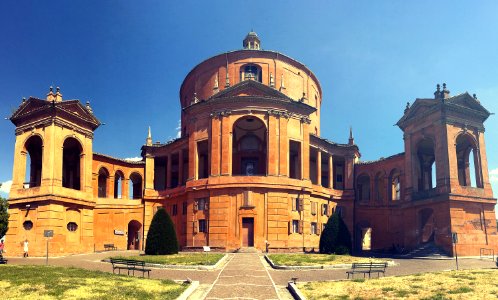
column 363, row 188
column 71, row 160
column 425, row 165
column 118, row 185
column 102, row 182
column 135, row 185
column 34, row 147
column 249, row 147
column 469, row 170
column 250, row 72
column 394, row 185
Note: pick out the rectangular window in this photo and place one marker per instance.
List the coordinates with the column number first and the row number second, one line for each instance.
column 202, row 226
column 174, row 210
column 295, row 226
column 313, row 228
column 184, row 210
column 201, row 204
column 325, row 209
column 313, row 208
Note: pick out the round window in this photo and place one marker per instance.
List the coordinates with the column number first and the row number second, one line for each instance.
column 28, row 225
column 71, row 226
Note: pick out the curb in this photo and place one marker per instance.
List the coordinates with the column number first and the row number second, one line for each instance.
column 295, row 292
column 321, row 267
column 180, row 267
column 189, row 291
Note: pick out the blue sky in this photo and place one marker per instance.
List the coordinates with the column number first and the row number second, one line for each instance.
column 128, row 58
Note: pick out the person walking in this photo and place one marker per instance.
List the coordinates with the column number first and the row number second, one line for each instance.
column 26, row 244
column 2, row 245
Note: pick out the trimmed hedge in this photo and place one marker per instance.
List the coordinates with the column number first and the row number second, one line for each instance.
column 161, row 238
column 335, row 238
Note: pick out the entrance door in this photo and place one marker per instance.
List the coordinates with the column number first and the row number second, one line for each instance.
column 248, row 232
column 134, row 235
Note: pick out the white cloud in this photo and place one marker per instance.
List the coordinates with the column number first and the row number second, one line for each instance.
column 179, row 129
column 493, row 175
column 5, row 188
column 137, row 158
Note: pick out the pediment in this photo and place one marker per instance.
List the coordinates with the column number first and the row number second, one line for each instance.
column 249, row 88
column 467, row 101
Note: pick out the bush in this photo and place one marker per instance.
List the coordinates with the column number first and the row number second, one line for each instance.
column 335, row 237
column 161, row 238
column 4, row 216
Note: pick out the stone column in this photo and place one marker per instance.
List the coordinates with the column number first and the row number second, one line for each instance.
column 272, row 148
column 331, row 172
column 168, row 172
column 283, row 147
column 226, row 144
column 215, row 145
column 318, row 167
column 180, row 167
column 305, row 147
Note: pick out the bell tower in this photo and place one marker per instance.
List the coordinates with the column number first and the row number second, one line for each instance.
column 446, row 171
column 52, row 173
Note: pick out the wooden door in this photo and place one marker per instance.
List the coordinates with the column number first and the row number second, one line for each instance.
column 248, row 232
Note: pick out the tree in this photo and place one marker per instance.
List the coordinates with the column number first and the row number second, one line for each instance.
column 335, row 237
column 161, row 238
column 4, row 216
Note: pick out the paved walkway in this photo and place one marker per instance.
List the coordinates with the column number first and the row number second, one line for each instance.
column 248, row 276
column 244, row 277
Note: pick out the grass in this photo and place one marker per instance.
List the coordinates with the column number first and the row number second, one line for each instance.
column 316, row 259
column 467, row 284
column 48, row 282
column 182, row 259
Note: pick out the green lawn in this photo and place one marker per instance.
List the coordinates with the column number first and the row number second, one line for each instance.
column 316, row 259
column 183, row 259
column 468, row 284
column 47, row 282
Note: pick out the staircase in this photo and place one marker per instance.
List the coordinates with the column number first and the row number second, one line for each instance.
column 427, row 250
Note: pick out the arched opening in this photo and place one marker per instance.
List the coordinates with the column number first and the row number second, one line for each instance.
column 250, row 72
column 363, row 188
column 426, row 225
column 378, row 187
column 71, row 160
column 249, row 147
column 134, row 235
column 135, row 186
column 425, row 165
column 34, row 149
column 118, row 185
column 468, row 162
column 102, row 182
column 394, row 185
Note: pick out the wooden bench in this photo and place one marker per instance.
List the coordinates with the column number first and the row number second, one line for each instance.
column 130, row 265
column 108, row 247
column 367, row 268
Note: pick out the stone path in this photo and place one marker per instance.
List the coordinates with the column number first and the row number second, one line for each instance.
column 244, row 277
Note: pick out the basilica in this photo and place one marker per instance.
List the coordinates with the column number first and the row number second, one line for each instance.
column 251, row 169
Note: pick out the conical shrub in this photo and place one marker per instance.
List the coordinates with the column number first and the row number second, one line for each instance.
column 335, row 237
column 161, row 238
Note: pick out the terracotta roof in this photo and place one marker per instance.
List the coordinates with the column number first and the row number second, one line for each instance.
column 120, row 159
column 366, row 162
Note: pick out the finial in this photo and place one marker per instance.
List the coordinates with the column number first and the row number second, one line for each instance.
column 437, row 93
column 407, row 107
column 351, row 138
column 475, row 96
column 51, row 89
column 444, row 86
column 438, row 87
column 24, row 99
column 194, row 98
column 272, row 80
column 58, row 89
column 88, row 107
column 148, row 141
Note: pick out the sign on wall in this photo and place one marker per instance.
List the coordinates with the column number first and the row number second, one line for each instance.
column 48, row 233
column 118, row 232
